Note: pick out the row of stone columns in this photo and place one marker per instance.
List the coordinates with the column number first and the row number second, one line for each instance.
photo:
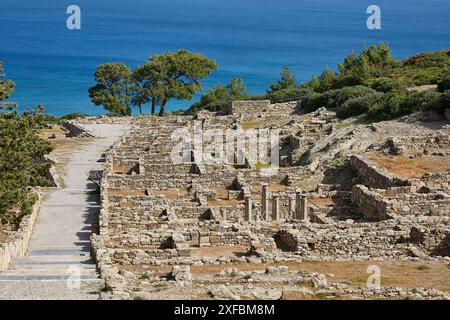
column 298, row 206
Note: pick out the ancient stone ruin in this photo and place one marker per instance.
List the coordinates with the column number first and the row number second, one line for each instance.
column 335, row 194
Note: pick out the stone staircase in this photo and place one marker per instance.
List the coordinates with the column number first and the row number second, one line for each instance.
column 58, row 264
column 53, row 263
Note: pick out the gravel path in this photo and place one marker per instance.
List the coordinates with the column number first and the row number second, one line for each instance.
column 58, row 264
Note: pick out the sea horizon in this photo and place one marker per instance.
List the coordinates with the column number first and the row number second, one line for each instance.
column 250, row 39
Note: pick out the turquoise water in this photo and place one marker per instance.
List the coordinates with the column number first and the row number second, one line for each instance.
column 251, row 39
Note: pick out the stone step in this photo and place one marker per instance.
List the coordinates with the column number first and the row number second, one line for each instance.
column 54, row 259
column 51, row 265
column 60, row 251
column 60, row 274
column 46, row 278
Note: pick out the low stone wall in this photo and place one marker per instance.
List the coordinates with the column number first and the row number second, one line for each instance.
column 74, row 129
column 372, row 176
column 370, row 205
column 19, row 244
column 108, row 120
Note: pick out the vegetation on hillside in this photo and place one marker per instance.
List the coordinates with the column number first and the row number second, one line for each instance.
column 22, row 154
column 372, row 84
column 218, row 98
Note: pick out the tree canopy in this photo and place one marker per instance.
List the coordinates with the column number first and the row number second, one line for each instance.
column 173, row 75
column 219, row 97
column 176, row 75
column 113, row 89
column 287, row 81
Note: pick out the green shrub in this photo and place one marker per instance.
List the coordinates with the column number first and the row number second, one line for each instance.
column 218, row 98
column 347, row 93
column 387, row 84
column 359, row 105
column 444, row 84
column 290, row 94
column 445, row 98
column 422, row 101
column 399, row 102
column 318, row 100
column 335, row 98
column 389, row 106
column 21, row 163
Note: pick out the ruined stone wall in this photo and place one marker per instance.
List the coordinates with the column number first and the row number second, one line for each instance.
column 372, row 176
column 74, row 129
column 370, row 204
column 17, row 243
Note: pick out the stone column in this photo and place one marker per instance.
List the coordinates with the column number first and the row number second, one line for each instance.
column 298, row 200
column 248, row 214
column 265, row 202
column 292, row 206
column 304, row 209
column 223, row 213
column 275, row 207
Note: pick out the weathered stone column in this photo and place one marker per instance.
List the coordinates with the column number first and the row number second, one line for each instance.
column 298, row 200
column 248, row 214
column 304, row 209
column 223, row 213
column 265, row 202
column 292, row 206
column 275, row 207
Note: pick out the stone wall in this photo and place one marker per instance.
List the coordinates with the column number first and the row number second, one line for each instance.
column 18, row 244
column 372, row 176
column 370, row 204
column 74, row 129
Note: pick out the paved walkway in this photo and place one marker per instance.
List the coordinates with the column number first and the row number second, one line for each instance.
column 59, row 249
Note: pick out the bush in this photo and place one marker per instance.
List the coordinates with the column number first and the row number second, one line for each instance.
column 387, row 84
column 359, row 105
column 287, row 95
column 335, row 98
column 21, row 163
column 398, row 103
column 318, row 100
column 218, row 98
column 445, row 98
column 444, row 84
column 422, row 101
column 389, row 106
column 347, row 93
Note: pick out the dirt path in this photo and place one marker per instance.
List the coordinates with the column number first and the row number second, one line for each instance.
column 59, row 250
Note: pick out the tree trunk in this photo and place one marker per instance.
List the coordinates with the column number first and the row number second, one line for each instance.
column 161, row 110
column 153, row 105
column 140, row 109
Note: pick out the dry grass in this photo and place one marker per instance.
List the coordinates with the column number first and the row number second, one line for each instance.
column 330, row 201
column 402, row 274
column 405, row 167
column 216, row 252
column 118, row 169
column 393, row 273
column 170, row 194
column 221, row 193
column 255, row 124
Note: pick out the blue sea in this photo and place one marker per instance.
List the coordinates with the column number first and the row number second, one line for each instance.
column 251, row 39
